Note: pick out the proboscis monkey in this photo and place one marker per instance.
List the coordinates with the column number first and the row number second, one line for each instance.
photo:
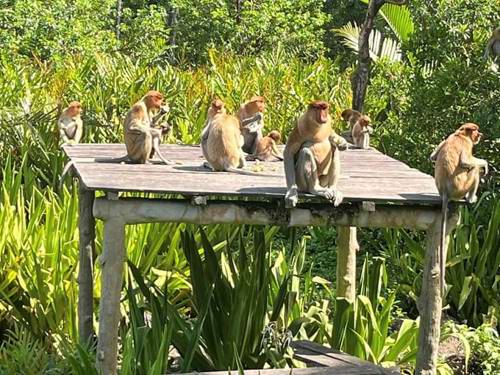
column 267, row 149
column 311, row 156
column 141, row 138
column 457, row 175
column 70, row 124
column 251, row 116
column 221, row 139
column 361, row 132
column 351, row 116
column 493, row 47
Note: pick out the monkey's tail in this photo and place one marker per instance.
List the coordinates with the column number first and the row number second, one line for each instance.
column 243, row 172
column 112, row 160
column 443, row 250
column 65, row 171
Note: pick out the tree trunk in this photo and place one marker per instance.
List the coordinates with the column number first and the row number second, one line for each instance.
column 239, row 5
column 119, row 10
column 362, row 74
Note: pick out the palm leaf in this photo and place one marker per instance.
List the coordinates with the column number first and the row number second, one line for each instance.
column 379, row 45
column 399, row 19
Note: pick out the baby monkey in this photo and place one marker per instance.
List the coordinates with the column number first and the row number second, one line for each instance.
column 267, row 149
column 70, row 124
column 457, row 175
column 311, row 156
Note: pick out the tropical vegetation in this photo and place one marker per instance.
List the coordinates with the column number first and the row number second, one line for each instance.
column 185, row 302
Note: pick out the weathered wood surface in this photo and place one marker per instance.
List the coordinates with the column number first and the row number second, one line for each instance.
column 322, row 361
column 366, row 175
column 320, row 356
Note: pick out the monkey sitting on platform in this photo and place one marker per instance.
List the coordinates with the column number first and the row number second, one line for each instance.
column 311, row 156
column 142, row 138
column 251, row 117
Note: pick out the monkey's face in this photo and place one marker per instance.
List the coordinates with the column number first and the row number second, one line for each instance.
column 257, row 104
column 319, row 109
column 365, row 121
column 275, row 135
column 217, row 107
column 153, row 100
column 74, row 109
column 472, row 131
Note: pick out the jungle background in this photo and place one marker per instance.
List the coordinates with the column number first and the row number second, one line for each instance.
column 428, row 76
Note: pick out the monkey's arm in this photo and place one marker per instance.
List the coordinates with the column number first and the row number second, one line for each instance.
column 338, row 141
column 292, row 147
column 488, row 47
column 435, row 153
column 368, row 130
column 161, row 113
column 482, row 164
column 206, row 131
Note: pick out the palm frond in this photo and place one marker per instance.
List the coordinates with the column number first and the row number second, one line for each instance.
column 380, row 46
column 399, row 19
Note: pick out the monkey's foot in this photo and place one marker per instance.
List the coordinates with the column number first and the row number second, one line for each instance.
column 339, row 197
column 207, row 165
column 291, row 197
column 471, row 198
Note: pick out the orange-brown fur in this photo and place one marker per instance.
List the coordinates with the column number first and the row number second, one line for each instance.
column 223, row 139
column 141, row 139
column 267, row 149
column 457, row 174
column 313, row 140
column 361, row 132
column 70, row 123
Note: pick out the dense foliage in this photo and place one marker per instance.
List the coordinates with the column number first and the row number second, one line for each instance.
column 108, row 53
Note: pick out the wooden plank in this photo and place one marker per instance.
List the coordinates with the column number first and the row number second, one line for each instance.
column 366, row 175
column 340, row 370
column 318, row 355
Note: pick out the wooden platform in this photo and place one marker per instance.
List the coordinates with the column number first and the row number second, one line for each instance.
column 367, row 175
column 320, row 360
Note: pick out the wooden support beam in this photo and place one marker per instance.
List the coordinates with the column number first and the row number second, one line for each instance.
column 136, row 211
column 86, row 228
column 430, row 301
column 347, row 246
column 112, row 262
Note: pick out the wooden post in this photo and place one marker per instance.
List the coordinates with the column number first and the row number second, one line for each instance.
column 86, row 227
column 430, row 301
column 111, row 260
column 347, row 246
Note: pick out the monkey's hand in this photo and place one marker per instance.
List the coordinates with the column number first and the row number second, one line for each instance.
column 291, row 197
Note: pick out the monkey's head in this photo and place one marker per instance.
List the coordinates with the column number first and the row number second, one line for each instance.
column 153, row 99
column 471, row 131
column 318, row 109
column 346, row 114
column 216, row 107
column 256, row 104
column 74, row 109
column 364, row 121
column 275, row 136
